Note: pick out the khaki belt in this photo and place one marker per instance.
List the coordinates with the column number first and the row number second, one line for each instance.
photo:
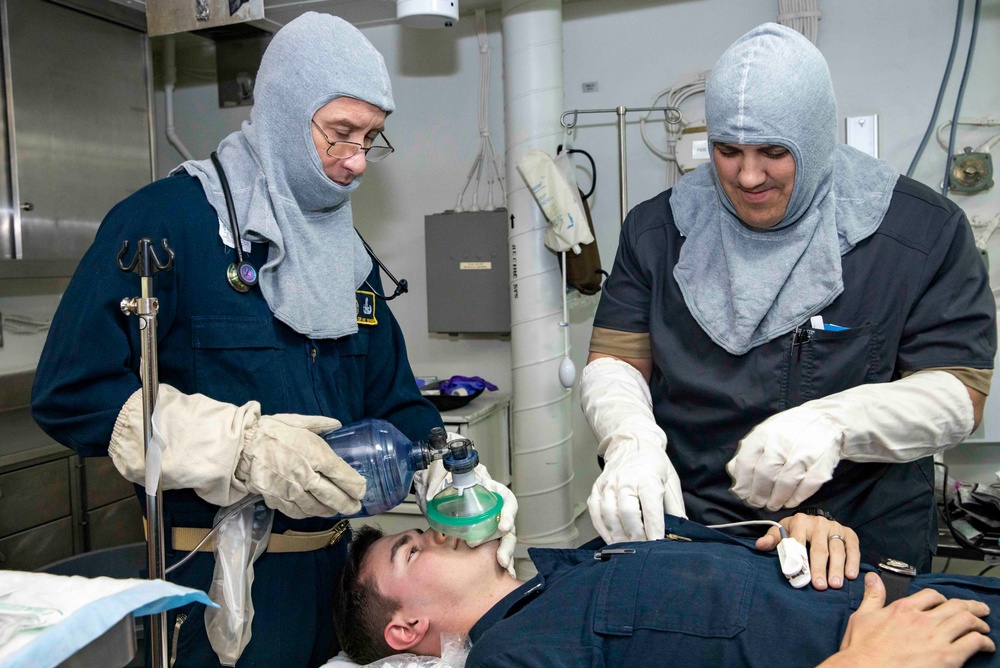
column 186, row 539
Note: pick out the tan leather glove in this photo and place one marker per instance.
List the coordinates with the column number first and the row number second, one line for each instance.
column 225, row 452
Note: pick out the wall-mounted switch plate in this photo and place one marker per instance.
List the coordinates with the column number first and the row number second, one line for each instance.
column 862, row 134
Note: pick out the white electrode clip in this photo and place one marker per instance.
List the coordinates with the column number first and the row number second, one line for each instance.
column 794, row 561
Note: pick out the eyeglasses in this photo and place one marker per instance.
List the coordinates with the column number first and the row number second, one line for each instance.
column 345, row 149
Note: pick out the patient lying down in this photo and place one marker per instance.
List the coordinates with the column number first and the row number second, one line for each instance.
column 702, row 598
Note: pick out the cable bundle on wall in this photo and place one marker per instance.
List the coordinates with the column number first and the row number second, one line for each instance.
column 800, row 15
column 486, row 161
column 986, row 146
column 955, row 121
column 960, row 96
column 693, row 84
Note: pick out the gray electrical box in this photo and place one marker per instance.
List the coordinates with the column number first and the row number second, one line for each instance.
column 468, row 285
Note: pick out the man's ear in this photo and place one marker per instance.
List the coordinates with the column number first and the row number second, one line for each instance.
column 403, row 633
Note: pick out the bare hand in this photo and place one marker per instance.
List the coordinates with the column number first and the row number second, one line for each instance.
column 924, row 629
column 830, row 560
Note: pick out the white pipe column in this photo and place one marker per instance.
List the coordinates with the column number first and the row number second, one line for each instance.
column 542, row 452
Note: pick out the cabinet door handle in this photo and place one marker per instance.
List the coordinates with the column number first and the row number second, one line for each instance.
column 27, row 206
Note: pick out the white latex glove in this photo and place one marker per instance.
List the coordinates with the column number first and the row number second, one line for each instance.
column 225, row 452
column 786, row 458
column 429, row 482
column 639, row 483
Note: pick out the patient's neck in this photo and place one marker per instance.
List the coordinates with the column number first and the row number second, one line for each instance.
column 462, row 617
column 478, row 605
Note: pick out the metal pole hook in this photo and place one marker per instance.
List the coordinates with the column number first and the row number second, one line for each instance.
column 145, row 262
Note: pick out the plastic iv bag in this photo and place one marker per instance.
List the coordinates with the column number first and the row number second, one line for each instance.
column 154, row 457
column 241, row 539
column 555, row 190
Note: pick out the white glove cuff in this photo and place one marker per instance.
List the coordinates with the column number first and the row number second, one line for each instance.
column 901, row 421
column 618, row 405
column 614, row 370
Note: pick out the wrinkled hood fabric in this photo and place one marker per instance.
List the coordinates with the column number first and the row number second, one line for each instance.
column 315, row 259
column 743, row 286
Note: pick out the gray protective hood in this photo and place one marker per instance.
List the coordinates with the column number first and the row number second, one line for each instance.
column 746, row 286
column 315, row 259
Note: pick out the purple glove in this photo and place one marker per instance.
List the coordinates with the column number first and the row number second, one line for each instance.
column 470, row 385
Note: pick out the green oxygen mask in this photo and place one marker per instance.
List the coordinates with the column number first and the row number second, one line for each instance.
column 464, row 509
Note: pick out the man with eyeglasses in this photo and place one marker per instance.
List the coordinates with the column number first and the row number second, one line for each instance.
column 249, row 376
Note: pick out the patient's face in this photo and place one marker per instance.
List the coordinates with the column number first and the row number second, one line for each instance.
column 427, row 568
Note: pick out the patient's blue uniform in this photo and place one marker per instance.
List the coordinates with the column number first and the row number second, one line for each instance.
column 710, row 601
column 218, row 342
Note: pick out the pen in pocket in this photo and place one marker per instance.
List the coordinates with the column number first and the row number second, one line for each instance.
column 816, row 322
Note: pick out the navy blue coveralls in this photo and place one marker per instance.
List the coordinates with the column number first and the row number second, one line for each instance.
column 226, row 345
column 711, row 601
column 916, row 296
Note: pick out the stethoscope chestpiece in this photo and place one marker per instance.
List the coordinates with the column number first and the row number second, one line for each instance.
column 241, row 276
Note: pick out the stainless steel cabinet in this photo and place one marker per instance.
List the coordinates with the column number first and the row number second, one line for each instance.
column 35, row 515
column 78, row 130
column 52, row 503
column 111, row 513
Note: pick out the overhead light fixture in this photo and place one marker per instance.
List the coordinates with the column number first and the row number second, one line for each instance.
column 427, row 13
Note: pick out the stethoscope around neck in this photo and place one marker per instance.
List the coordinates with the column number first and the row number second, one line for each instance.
column 241, row 275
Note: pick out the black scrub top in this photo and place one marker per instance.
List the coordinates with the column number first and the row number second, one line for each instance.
column 916, row 296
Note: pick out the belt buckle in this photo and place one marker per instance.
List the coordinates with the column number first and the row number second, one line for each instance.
column 897, row 566
column 896, row 576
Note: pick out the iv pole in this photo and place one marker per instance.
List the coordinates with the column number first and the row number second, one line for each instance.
column 672, row 115
column 145, row 263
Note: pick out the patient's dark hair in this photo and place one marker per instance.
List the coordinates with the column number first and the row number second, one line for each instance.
column 360, row 611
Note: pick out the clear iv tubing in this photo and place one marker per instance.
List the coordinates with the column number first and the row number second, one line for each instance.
column 249, row 501
column 781, row 529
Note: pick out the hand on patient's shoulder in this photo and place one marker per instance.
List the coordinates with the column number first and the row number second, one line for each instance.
column 924, row 629
column 834, row 551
